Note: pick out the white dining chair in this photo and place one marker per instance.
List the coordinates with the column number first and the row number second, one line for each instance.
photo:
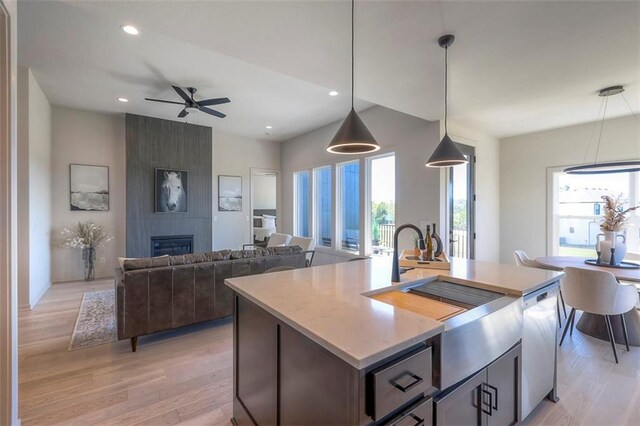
column 278, row 240
column 308, row 246
column 523, row 260
column 598, row 292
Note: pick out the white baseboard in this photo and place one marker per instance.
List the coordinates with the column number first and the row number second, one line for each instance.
column 34, row 301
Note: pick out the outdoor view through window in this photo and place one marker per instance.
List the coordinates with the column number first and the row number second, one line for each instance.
column 383, row 203
column 578, row 209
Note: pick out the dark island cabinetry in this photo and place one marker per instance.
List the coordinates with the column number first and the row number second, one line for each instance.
column 281, row 377
column 490, row 397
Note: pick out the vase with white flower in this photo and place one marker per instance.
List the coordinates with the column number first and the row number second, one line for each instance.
column 86, row 236
column 612, row 247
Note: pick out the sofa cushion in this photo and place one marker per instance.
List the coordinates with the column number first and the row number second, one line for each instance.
column 214, row 256
column 145, row 263
column 273, row 251
column 188, row 259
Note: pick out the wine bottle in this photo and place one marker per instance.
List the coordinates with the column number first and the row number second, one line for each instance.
column 429, row 244
column 438, row 241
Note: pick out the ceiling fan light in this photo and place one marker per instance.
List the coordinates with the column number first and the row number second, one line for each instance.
column 604, row 168
column 446, row 154
column 353, row 137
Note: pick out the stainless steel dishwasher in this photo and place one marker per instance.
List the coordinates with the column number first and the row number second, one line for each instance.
column 539, row 347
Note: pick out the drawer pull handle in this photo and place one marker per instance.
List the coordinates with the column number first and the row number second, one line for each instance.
column 495, row 389
column 416, row 380
column 490, row 410
column 419, row 421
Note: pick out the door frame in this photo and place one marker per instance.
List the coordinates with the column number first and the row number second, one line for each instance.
column 258, row 171
column 470, row 151
column 8, row 215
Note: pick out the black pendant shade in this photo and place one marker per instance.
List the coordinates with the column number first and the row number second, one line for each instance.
column 446, row 154
column 353, row 137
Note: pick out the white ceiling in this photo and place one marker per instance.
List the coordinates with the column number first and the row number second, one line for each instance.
column 516, row 66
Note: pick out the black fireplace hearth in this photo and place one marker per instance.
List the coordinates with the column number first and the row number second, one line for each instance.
column 172, row 245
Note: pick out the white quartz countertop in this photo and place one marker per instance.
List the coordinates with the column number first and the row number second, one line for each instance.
column 330, row 303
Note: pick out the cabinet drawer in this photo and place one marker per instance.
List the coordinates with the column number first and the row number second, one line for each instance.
column 419, row 414
column 399, row 382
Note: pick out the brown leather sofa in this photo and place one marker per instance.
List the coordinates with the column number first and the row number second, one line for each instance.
column 162, row 293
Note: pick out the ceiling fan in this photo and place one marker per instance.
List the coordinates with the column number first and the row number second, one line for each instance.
column 191, row 104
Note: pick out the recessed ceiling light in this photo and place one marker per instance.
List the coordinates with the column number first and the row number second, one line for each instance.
column 123, row 100
column 130, row 29
column 268, row 127
column 333, row 93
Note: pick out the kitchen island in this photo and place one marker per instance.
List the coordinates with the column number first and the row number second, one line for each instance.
column 326, row 345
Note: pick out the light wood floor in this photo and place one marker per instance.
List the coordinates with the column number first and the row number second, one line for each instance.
column 182, row 376
column 185, row 376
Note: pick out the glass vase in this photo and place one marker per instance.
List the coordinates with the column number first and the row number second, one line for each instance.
column 89, row 257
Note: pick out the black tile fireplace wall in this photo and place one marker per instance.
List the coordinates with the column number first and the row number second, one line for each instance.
column 155, row 143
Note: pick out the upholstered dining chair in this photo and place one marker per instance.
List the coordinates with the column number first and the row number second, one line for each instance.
column 308, row 246
column 598, row 292
column 276, row 239
column 523, row 260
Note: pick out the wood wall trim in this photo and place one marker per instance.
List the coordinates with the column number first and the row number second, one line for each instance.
column 8, row 296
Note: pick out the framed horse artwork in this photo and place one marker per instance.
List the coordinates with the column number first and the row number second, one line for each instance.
column 171, row 189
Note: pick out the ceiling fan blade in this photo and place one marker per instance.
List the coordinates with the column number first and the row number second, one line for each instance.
column 216, row 101
column 182, row 94
column 166, row 102
column 183, row 113
column 212, row 112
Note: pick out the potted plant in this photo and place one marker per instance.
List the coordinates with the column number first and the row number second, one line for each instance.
column 612, row 248
column 375, row 233
column 416, row 247
column 86, row 236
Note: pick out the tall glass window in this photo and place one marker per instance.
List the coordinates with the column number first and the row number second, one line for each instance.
column 382, row 180
column 349, row 230
column 322, row 205
column 301, row 204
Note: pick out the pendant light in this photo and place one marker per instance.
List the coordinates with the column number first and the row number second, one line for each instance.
column 447, row 153
column 608, row 167
column 353, row 137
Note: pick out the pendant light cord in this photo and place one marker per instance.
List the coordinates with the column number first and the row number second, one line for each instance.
column 606, row 102
column 353, row 4
column 446, row 86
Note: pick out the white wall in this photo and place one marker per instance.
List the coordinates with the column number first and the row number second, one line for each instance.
column 235, row 156
column 264, row 191
column 39, row 192
column 524, row 161
column 82, row 137
column 34, row 195
column 412, row 139
column 487, row 208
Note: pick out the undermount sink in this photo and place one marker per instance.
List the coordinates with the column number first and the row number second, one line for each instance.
column 439, row 300
column 455, row 294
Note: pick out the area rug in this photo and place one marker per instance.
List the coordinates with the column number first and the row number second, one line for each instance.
column 96, row 323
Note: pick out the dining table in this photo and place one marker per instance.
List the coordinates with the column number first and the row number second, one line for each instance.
column 592, row 324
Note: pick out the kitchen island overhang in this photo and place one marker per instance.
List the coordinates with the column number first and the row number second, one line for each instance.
column 334, row 307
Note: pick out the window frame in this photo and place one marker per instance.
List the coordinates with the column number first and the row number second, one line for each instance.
column 364, row 204
column 553, row 225
column 315, row 222
column 296, row 213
